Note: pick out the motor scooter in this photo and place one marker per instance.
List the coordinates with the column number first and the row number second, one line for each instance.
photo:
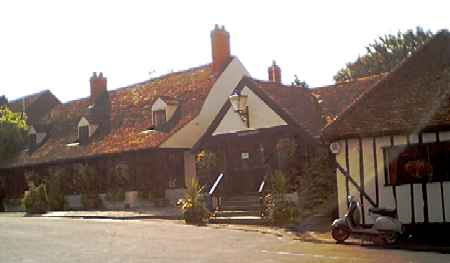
column 386, row 230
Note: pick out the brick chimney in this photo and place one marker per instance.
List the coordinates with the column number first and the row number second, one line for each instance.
column 220, row 44
column 98, row 86
column 274, row 73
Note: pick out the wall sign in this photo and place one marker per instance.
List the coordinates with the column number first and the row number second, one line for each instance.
column 245, row 156
column 335, row 147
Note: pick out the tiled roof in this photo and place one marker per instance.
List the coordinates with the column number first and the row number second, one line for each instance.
column 297, row 102
column 413, row 97
column 130, row 114
column 36, row 105
column 333, row 99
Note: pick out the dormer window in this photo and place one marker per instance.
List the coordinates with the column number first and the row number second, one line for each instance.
column 163, row 109
column 35, row 138
column 159, row 117
column 83, row 135
column 85, row 131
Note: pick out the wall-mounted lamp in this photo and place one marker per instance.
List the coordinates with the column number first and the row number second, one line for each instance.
column 239, row 104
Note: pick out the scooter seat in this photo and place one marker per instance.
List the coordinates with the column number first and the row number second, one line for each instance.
column 383, row 211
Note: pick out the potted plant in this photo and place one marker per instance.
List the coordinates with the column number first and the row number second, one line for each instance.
column 194, row 209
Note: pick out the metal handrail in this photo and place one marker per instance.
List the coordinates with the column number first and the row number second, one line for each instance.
column 261, row 186
column 216, row 184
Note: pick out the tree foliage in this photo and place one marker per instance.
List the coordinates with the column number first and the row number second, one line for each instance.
column 384, row 54
column 13, row 128
column 299, row 83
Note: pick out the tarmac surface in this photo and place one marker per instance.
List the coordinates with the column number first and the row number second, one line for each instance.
column 52, row 239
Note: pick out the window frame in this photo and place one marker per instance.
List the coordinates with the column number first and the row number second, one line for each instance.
column 157, row 117
column 421, row 158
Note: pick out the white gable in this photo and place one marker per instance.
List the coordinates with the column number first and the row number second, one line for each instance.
column 159, row 104
column 260, row 116
column 187, row 136
column 83, row 122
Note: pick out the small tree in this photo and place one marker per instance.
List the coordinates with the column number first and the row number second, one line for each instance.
column 384, row 54
column 299, row 83
column 13, row 128
column 55, row 188
column 87, row 183
column 35, row 199
column 276, row 208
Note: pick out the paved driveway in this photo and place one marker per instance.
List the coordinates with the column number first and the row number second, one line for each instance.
column 72, row 240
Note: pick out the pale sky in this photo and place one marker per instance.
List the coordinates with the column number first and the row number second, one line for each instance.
column 56, row 45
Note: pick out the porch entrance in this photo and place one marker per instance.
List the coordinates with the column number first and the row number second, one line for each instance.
column 245, row 170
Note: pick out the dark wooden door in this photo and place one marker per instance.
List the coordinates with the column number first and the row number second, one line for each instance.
column 246, row 169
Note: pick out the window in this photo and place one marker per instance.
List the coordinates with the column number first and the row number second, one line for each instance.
column 159, row 117
column 418, row 163
column 83, row 134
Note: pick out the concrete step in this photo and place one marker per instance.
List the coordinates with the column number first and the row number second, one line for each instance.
column 246, row 207
column 240, row 202
column 231, row 213
column 238, row 220
column 252, row 198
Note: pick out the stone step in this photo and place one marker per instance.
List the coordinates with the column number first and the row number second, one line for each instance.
column 240, row 203
column 246, row 207
column 238, row 220
column 231, row 213
column 253, row 198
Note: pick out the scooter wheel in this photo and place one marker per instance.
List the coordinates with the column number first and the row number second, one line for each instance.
column 391, row 238
column 339, row 234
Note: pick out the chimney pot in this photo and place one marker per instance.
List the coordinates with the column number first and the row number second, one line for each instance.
column 220, row 45
column 274, row 73
column 98, row 86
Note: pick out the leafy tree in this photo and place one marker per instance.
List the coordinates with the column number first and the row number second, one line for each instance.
column 299, row 83
column 384, row 54
column 13, row 129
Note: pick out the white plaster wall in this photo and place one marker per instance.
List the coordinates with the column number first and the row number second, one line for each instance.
column 353, row 158
column 261, row 116
column 187, row 136
column 369, row 175
column 340, row 180
column 386, row 194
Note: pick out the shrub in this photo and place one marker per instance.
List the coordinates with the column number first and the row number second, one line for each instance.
column 35, row 200
column 193, row 206
column 87, row 181
column 276, row 209
column 55, row 189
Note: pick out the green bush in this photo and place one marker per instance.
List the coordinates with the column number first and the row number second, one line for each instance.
column 55, row 190
column 35, row 201
column 276, row 209
column 285, row 212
